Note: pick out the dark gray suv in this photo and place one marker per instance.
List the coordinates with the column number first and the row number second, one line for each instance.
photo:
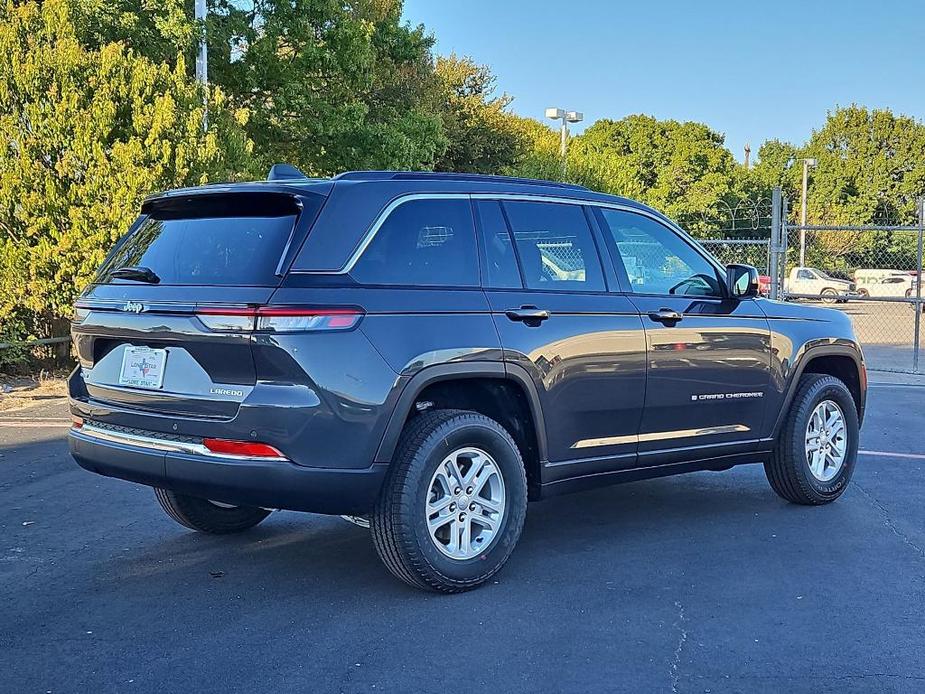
column 425, row 352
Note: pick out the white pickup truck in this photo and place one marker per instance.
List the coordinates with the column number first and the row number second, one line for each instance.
column 810, row 282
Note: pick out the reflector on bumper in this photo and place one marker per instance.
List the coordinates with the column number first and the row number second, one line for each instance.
column 220, row 448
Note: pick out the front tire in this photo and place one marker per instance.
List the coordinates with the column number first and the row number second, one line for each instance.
column 817, row 449
column 208, row 516
column 454, row 502
column 828, row 296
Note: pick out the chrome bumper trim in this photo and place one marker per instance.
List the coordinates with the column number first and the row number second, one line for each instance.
column 151, row 443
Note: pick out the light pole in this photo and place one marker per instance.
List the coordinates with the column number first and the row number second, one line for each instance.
column 806, row 164
column 566, row 117
column 202, row 61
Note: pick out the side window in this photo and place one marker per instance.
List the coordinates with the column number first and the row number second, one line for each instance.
column 805, row 275
column 500, row 261
column 657, row 260
column 423, row 243
column 555, row 246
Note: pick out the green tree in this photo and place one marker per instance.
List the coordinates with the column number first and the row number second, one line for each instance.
column 482, row 136
column 683, row 169
column 330, row 84
column 775, row 167
column 869, row 171
column 870, row 167
column 539, row 156
column 86, row 135
column 160, row 30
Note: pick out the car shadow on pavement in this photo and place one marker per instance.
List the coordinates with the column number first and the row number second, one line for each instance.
column 297, row 553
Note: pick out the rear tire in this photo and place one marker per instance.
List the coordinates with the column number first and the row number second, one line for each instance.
column 465, row 465
column 207, row 516
column 792, row 470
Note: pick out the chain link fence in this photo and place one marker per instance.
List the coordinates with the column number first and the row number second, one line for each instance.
column 736, row 232
column 750, row 251
column 871, row 272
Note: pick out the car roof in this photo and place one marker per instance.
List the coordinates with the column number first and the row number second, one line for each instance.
column 353, row 200
column 410, row 182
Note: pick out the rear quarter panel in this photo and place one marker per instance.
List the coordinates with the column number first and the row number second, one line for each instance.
column 360, row 376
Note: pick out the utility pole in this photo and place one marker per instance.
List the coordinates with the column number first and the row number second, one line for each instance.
column 748, row 153
column 566, row 117
column 806, row 164
column 202, row 61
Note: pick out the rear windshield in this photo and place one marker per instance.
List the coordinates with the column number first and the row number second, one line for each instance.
column 230, row 241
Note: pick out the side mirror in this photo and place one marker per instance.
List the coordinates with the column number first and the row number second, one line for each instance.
column 741, row 281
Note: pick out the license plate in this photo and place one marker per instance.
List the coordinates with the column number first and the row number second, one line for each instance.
column 143, row 367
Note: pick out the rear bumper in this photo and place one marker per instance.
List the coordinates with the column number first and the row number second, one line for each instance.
column 245, row 482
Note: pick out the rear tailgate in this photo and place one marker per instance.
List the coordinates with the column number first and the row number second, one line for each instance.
column 152, row 345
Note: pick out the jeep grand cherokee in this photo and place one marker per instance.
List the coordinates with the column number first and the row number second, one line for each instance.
column 426, row 352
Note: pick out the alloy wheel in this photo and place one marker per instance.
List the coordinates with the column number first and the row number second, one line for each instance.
column 465, row 503
column 826, row 441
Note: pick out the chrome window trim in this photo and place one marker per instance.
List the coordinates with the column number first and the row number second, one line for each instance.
column 300, row 204
column 381, row 219
column 383, row 216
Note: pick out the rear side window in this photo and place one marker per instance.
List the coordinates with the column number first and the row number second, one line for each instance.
column 500, row 261
column 555, row 246
column 217, row 242
column 423, row 243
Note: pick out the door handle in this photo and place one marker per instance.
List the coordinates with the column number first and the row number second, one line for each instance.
column 665, row 315
column 530, row 315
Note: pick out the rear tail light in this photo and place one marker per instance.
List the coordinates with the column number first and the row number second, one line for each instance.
column 291, row 320
column 76, row 422
column 250, row 449
column 227, row 319
column 278, row 319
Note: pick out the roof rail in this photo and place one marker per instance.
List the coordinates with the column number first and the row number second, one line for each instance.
column 447, row 176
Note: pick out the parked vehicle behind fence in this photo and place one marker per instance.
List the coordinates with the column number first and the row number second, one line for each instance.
column 812, row 282
column 883, row 283
column 427, row 352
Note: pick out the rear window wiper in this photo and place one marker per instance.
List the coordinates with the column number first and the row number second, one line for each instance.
column 139, row 274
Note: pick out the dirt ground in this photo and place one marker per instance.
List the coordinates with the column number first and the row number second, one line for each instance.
column 21, row 392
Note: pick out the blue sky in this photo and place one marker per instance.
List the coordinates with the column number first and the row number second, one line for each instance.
column 751, row 70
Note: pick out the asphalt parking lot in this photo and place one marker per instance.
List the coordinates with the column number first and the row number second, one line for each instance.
column 700, row 583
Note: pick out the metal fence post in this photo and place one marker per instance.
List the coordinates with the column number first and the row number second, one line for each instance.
column 918, row 288
column 775, row 241
column 784, row 245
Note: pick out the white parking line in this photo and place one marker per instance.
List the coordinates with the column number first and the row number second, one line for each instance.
column 890, row 454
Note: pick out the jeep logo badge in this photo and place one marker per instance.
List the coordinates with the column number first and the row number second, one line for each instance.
column 134, row 307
